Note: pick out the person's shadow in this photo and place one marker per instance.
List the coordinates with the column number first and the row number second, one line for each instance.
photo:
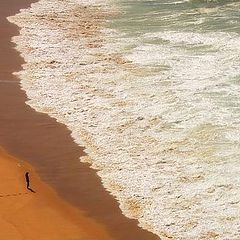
column 28, row 182
column 31, row 189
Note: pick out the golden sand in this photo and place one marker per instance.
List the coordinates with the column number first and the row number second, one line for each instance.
column 41, row 215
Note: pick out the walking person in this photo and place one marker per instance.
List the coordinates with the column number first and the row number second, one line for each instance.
column 28, row 181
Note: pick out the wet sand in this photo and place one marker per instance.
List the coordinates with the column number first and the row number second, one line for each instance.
column 48, row 146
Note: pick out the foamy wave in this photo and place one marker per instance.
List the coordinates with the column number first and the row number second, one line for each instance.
column 155, row 139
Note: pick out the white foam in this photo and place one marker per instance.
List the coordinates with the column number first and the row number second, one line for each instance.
column 156, row 138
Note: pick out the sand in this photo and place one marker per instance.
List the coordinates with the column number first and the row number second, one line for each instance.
column 40, row 215
column 151, row 146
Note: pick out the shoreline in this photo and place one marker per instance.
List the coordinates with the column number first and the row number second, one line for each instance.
column 48, row 146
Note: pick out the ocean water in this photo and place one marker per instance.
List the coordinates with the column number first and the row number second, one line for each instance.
column 153, row 94
column 188, row 53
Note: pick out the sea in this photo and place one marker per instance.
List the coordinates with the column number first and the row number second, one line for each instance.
column 152, row 91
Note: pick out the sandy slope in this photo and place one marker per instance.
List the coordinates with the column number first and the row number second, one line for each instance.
column 41, row 215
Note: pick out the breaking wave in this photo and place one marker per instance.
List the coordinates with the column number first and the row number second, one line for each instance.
column 153, row 95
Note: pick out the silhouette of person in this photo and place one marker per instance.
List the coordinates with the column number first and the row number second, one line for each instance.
column 28, row 182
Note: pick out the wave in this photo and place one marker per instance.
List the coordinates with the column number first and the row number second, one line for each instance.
column 212, row 2
column 156, row 118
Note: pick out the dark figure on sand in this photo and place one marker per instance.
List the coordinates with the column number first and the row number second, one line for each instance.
column 28, row 181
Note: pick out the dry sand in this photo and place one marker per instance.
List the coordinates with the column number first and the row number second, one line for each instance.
column 40, row 215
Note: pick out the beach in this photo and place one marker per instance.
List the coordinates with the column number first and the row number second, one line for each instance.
column 40, row 214
column 129, row 111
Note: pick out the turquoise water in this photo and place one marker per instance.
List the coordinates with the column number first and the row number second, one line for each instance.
column 186, row 80
column 196, row 15
column 194, row 48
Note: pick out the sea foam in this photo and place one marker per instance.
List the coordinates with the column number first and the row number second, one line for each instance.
column 150, row 120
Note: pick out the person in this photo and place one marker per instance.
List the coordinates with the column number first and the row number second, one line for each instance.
column 27, row 180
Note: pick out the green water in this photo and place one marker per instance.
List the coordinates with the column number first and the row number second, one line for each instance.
column 152, row 16
column 192, row 48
